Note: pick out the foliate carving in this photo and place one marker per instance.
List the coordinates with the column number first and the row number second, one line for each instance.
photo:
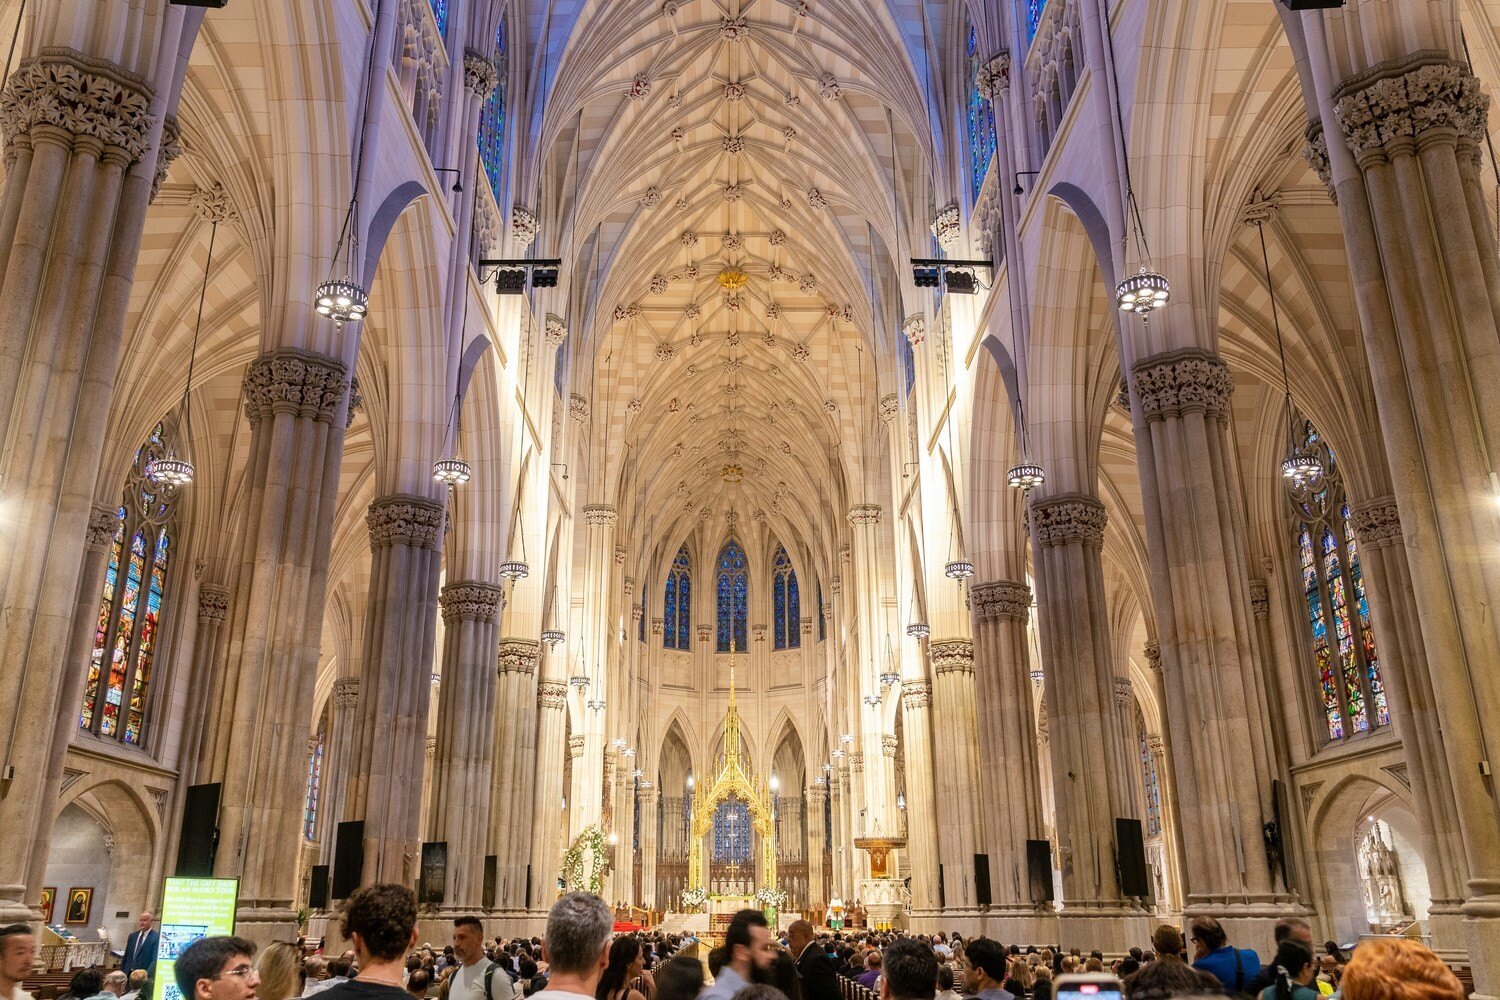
column 656, row 625
column 356, row 402
column 470, row 600
column 211, row 204
column 523, row 226
column 551, row 694
column 1155, row 744
column 952, row 656
column 1260, row 209
column 213, row 603
column 916, row 694
column 575, row 746
column 992, row 80
column 1179, row 382
column 555, row 331
column 946, row 226
column 600, row 514
column 346, row 692
column 888, row 744
column 640, row 87
column 578, row 407
column 1408, row 100
column 431, row 749
column 62, row 89
column 857, row 762
column 1378, row 522
column 828, row 87
column 1315, row 152
column 807, row 626
column 1069, row 517
column 103, row 523
column 1001, row 601
column 167, row 153
column 519, row 656
column 733, row 29
column 1152, row 649
column 889, row 407
column 1124, row 691
column 404, row 519
column 915, row 329
column 294, row 381
column 1260, row 599
column 481, row 76
column 865, row 514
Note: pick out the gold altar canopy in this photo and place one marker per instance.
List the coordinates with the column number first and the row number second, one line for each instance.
column 733, row 781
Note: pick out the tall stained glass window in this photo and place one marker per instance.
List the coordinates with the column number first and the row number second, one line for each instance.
column 980, row 116
column 1351, row 694
column 640, row 623
column 732, row 831
column 732, row 599
column 314, row 785
column 1150, row 780
column 788, row 603
column 677, row 620
column 492, row 121
column 127, row 628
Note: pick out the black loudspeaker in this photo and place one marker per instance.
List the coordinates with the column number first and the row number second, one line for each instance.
column 1130, row 854
column 528, row 885
column 942, row 901
column 982, row 879
column 199, row 840
column 348, row 858
column 1039, row 870
column 317, row 896
column 491, row 877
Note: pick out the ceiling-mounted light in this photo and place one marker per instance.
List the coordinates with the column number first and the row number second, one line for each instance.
column 1026, row 476
column 1143, row 292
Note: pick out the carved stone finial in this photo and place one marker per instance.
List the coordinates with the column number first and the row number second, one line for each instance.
column 470, row 600
column 1069, row 517
column 405, row 519
column 1003, row 600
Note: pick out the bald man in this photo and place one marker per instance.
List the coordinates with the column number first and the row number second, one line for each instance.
column 140, row 947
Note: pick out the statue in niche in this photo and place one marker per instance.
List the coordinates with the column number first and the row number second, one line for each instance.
column 1380, row 877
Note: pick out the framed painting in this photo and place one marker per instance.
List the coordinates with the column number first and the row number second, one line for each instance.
column 49, row 899
column 80, row 902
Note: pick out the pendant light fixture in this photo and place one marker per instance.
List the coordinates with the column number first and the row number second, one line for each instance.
column 552, row 635
column 889, row 676
column 1302, row 466
column 872, row 699
column 452, row 471
column 1147, row 290
column 918, row 627
column 172, row 469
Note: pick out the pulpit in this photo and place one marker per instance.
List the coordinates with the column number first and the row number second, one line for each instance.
column 884, row 896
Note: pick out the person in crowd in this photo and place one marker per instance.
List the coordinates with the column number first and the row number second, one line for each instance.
column 417, row 984
column 945, row 990
column 871, row 976
column 141, row 945
column 381, row 922
column 1293, row 971
column 1018, row 979
column 623, row 968
column 139, row 986
column 984, row 968
column 314, row 971
column 1042, row 988
column 910, row 971
column 1333, row 951
column 1398, row 969
column 338, row 972
column 217, row 968
column 86, row 984
column 680, row 978
column 475, row 977
column 1168, row 975
column 576, row 946
column 759, row 991
column 1233, row 967
column 1329, row 975
column 17, row 956
column 747, row 955
column 280, row 970
column 1287, row 928
column 115, row 983
column 819, row 979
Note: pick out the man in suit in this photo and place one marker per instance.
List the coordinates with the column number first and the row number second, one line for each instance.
column 814, row 968
column 140, row 947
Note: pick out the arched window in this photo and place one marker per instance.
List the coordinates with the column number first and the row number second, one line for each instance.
column 314, row 782
column 492, row 121
column 732, row 832
column 981, row 118
column 677, row 619
column 1338, row 610
column 126, row 632
column 732, row 590
column 1150, row 780
column 788, row 610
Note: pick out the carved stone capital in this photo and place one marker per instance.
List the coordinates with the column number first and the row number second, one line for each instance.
column 916, row 694
column 1409, row 100
column 578, row 407
column 816, row 793
column 951, row 656
column 1069, row 517
column 346, row 692
column 992, row 80
column 1152, row 649
column 1260, row 599
column 1124, row 691
column 470, row 600
column 554, row 331
column 1003, row 600
column 1377, row 522
column 431, row 748
column 865, row 514
column 523, row 226
column 575, row 747
column 292, row 381
column 857, row 762
column 213, row 603
column 70, row 96
column 889, row 407
column 1155, row 744
column 945, row 226
column 888, row 744
column 103, row 523
column 405, row 519
column 600, row 514
column 552, row 694
column 1185, row 381
column 481, row 77
column 167, row 153
column 519, row 656
column 1315, row 152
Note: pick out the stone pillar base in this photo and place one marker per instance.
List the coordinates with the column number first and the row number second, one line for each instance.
column 13, row 908
column 1481, row 924
column 1022, row 926
column 1111, row 931
column 265, row 924
column 1446, row 933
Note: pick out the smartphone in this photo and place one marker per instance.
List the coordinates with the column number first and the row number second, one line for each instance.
column 1088, row 986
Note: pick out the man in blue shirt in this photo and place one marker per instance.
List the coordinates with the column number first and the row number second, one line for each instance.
column 1234, row 967
column 748, row 954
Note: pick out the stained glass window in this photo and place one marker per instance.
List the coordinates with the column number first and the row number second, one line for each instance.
column 677, row 620
column 314, row 786
column 732, row 593
column 1351, row 695
column 492, row 122
column 440, row 13
column 1150, row 779
column 980, row 116
column 127, row 628
column 788, row 604
column 1033, row 9
column 732, row 832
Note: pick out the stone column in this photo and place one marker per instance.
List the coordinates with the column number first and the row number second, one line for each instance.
column 297, row 402
column 547, row 833
column 922, row 804
column 960, row 833
column 1008, row 766
column 337, row 758
column 650, row 798
column 1128, row 747
column 207, row 682
column 385, row 787
column 1171, row 818
column 817, row 835
column 1089, row 779
column 869, row 805
column 82, row 140
column 586, row 798
column 515, row 726
column 463, row 764
column 1216, row 692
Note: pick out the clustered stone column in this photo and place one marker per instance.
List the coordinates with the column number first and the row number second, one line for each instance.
column 390, row 738
column 344, row 706
column 1161, row 754
column 870, row 801
column 464, row 759
column 921, row 797
column 547, row 830
column 1089, row 779
column 208, row 643
column 1008, row 766
column 960, row 833
column 1127, row 747
column 515, row 728
column 816, row 797
column 1216, row 693
column 587, row 795
column 649, row 798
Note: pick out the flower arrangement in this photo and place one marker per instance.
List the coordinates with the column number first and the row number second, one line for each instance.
column 694, row 897
column 575, row 873
column 771, row 898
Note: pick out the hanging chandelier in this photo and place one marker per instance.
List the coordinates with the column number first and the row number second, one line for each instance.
column 628, row 752
column 838, row 755
column 889, row 678
column 1026, row 477
column 1143, row 292
column 171, row 469
column 958, row 569
column 1301, row 466
column 342, row 300
column 514, row 569
column 553, row 637
column 451, row 471
column 846, row 739
column 872, row 699
column 919, row 630
column 597, row 704
column 619, row 743
column 579, row 681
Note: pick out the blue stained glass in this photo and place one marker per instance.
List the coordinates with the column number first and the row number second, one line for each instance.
column 822, row 618
column 778, row 588
column 732, row 591
column 981, row 121
column 641, row 625
column 492, row 122
column 908, row 363
column 1033, row 17
column 732, row 831
column 677, row 617
column 788, row 611
column 440, row 12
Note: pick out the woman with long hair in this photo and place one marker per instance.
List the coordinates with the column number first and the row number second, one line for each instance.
column 280, row 971
column 1295, row 972
column 1398, row 969
column 625, row 966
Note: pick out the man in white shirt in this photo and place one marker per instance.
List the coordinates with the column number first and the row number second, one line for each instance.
column 17, row 956
column 476, row 978
column 576, row 947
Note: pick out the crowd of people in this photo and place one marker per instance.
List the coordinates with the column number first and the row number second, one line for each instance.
column 580, row 957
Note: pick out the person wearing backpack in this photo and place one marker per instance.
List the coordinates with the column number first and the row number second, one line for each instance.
column 476, row 978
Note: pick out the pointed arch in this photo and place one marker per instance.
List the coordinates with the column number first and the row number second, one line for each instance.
column 786, row 601
column 732, row 599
